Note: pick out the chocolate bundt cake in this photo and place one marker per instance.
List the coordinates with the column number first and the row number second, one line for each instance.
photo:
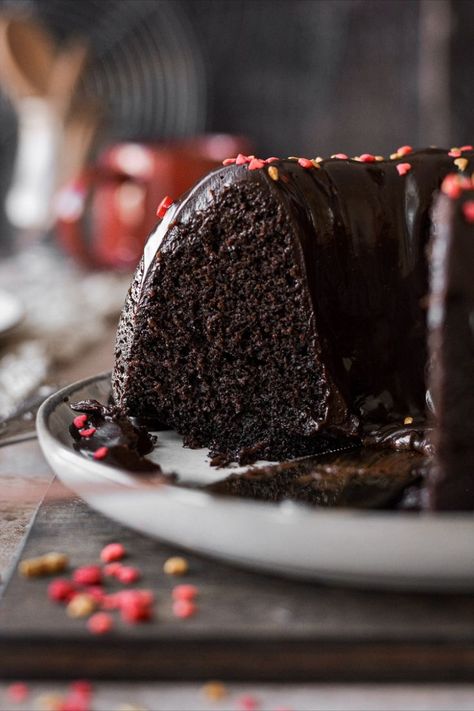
column 280, row 305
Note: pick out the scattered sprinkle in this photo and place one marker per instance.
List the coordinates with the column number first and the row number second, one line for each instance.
column 81, row 605
column 100, row 623
column 229, row 161
column 340, row 156
column 214, row 690
column 184, row 592
column 379, row 158
column 176, row 566
column 101, row 453
column 452, row 185
column 87, row 575
column 247, row 703
column 97, row 592
column 88, row 433
column 111, row 570
column 79, row 421
column 408, row 420
column 164, row 206
column 272, row 159
column 18, row 692
column 466, row 148
column 241, row 159
column 184, row 608
column 468, row 211
column 404, row 150
column 48, row 564
column 461, row 163
column 454, row 152
column 61, row 590
column 273, row 172
column 256, row 163
column 128, row 574
column 366, row 158
column 403, row 168
column 305, row 163
column 112, row 552
column 293, row 158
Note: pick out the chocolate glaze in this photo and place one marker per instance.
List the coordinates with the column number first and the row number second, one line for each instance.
column 127, row 443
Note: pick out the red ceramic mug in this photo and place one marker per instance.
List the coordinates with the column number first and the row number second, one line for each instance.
column 103, row 217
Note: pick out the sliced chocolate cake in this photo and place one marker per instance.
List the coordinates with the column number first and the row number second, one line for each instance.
column 278, row 309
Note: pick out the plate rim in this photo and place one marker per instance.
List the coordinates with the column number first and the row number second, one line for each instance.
column 48, row 440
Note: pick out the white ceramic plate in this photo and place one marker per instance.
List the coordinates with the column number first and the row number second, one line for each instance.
column 363, row 548
column 11, row 312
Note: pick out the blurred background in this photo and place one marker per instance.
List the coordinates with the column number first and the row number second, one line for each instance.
column 108, row 105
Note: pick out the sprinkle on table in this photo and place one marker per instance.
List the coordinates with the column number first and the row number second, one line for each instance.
column 112, row 552
column 176, row 566
column 61, row 590
column 100, row 623
column 81, row 605
column 87, row 575
column 164, row 206
column 214, row 690
column 127, row 574
column 403, row 168
column 18, row 692
column 468, row 211
column 184, row 608
column 184, row 592
column 247, row 703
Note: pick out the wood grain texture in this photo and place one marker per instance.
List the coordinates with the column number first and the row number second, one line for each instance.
column 249, row 626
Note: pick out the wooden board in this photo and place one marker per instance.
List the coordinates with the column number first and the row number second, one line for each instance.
column 249, row 626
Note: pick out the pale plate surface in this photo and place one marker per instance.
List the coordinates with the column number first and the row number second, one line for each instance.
column 369, row 549
column 11, row 312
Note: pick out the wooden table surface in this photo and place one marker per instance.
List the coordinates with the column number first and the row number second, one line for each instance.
column 24, row 478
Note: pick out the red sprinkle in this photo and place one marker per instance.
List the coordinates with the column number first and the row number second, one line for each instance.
column 451, row 186
column 111, row 602
column 18, row 692
column 241, row 159
column 305, row 163
column 112, row 552
column 128, row 574
column 403, row 168
column 61, row 590
column 74, row 702
column 184, row 608
column 341, row 156
column 256, row 163
column 101, row 453
column 87, row 433
column 79, row 421
column 271, row 160
column 247, row 703
column 81, row 687
column 466, row 148
column 87, row 575
column 184, row 592
column 404, row 150
column 100, row 623
column 164, row 206
column 112, row 569
column 97, row 592
column 228, row 161
column 468, row 210
column 455, row 154
column 367, row 158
